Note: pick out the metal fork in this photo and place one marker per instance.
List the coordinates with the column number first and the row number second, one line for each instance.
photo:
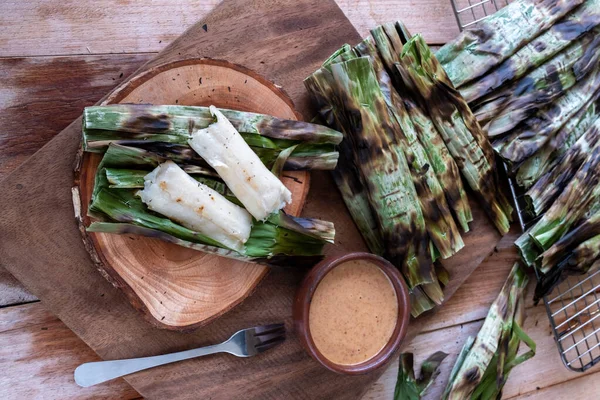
column 245, row 343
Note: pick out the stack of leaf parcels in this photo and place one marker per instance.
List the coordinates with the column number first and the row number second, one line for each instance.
column 531, row 75
column 408, row 136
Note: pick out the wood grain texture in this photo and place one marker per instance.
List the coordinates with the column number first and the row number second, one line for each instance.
column 38, row 359
column 285, row 46
column 544, row 371
column 124, row 26
column 40, row 96
column 174, row 287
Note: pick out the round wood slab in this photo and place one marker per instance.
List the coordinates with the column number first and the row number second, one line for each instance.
column 175, row 287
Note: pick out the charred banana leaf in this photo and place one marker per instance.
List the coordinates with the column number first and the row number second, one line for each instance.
column 483, row 366
column 544, row 160
column 562, row 249
column 531, row 135
column 479, row 49
column 371, row 131
column 583, row 259
column 440, row 224
column 545, row 46
column 459, row 129
column 390, row 39
column 545, row 84
column 580, row 196
column 550, row 186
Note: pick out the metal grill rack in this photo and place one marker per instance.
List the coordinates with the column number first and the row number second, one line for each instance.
column 573, row 307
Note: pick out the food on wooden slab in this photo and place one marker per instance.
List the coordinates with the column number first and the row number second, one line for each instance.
column 167, row 129
column 224, row 149
column 483, row 366
column 456, row 124
column 399, row 167
column 440, row 223
column 184, row 199
column 169, row 191
column 408, row 385
column 538, row 96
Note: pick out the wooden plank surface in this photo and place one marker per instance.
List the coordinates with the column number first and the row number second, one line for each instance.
column 39, row 95
column 544, row 371
column 123, row 26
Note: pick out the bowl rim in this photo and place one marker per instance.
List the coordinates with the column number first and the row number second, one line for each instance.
column 302, row 308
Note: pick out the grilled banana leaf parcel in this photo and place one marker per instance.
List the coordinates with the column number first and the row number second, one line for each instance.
column 167, row 129
column 541, row 195
column 545, row 84
column 585, row 230
column 371, row 131
column 479, row 49
column 548, row 156
column 545, row 46
column 347, row 174
column 459, row 129
column 583, row 259
column 484, row 364
column 118, row 207
column 580, row 196
column 531, row 135
column 390, row 39
column 440, row 223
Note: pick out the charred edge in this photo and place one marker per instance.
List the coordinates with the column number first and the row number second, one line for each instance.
column 150, row 123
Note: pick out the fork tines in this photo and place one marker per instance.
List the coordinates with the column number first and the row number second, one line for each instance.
column 268, row 336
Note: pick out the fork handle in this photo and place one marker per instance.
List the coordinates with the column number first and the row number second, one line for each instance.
column 92, row 373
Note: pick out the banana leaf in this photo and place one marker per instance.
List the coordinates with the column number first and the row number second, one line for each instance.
column 347, row 175
column 179, row 121
column 484, row 364
column 549, row 155
column 459, row 129
column 484, row 46
column 441, row 227
column 531, row 135
column 585, row 230
column 408, row 386
column 390, row 39
column 583, row 259
column 134, row 179
column 580, row 196
column 541, row 195
column 131, row 229
column 545, row 84
column 559, row 36
column 371, row 131
column 527, row 249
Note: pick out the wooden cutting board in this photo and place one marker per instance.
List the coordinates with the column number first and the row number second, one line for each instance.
column 41, row 246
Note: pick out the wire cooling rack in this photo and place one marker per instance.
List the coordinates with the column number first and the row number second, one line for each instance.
column 573, row 307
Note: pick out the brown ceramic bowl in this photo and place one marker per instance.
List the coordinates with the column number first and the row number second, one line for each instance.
column 302, row 307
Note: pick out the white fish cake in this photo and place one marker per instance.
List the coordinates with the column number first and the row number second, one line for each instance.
column 169, row 191
column 221, row 145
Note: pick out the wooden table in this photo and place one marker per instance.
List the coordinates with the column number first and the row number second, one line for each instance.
column 57, row 57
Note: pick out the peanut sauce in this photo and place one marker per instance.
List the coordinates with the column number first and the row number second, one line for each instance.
column 353, row 312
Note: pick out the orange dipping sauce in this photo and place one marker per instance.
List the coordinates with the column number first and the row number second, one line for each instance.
column 353, row 312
